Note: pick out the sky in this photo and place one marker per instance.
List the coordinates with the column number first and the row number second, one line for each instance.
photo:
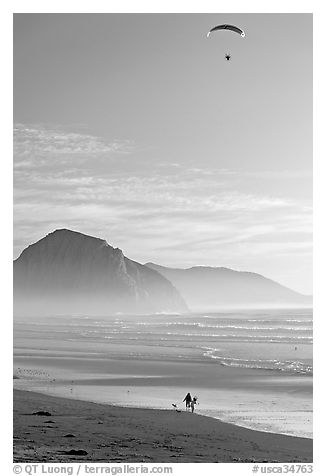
column 134, row 128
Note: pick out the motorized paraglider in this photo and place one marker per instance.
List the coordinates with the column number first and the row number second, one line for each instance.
column 226, row 26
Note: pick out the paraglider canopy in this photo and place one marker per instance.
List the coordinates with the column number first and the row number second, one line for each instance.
column 227, row 27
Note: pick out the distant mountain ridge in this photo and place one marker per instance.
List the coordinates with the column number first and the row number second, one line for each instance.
column 212, row 288
column 70, row 272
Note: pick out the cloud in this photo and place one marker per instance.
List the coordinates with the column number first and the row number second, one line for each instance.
column 159, row 210
column 36, row 146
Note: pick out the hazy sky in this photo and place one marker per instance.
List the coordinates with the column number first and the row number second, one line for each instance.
column 134, row 128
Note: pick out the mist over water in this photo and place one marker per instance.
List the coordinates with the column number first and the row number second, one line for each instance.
column 272, row 340
column 251, row 368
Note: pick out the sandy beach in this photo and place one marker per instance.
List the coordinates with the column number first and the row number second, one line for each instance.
column 108, row 386
column 152, row 362
column 107, row 433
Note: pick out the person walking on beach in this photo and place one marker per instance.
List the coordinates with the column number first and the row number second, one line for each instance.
column 188, row 401
column 193, row 403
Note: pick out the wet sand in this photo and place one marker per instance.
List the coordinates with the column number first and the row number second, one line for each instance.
column 105, row 362
column 118, row 434
column 256, row 399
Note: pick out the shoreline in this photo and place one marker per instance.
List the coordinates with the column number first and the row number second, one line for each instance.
column 64, row 393
column 131, row 434
column 245, row 398
column 151, row 363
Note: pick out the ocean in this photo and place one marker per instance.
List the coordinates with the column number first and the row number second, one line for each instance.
column 251, row 368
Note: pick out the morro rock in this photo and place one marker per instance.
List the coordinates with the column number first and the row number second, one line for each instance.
column 69, row 272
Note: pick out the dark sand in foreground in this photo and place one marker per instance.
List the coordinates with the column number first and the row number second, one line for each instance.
column 118, row 434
